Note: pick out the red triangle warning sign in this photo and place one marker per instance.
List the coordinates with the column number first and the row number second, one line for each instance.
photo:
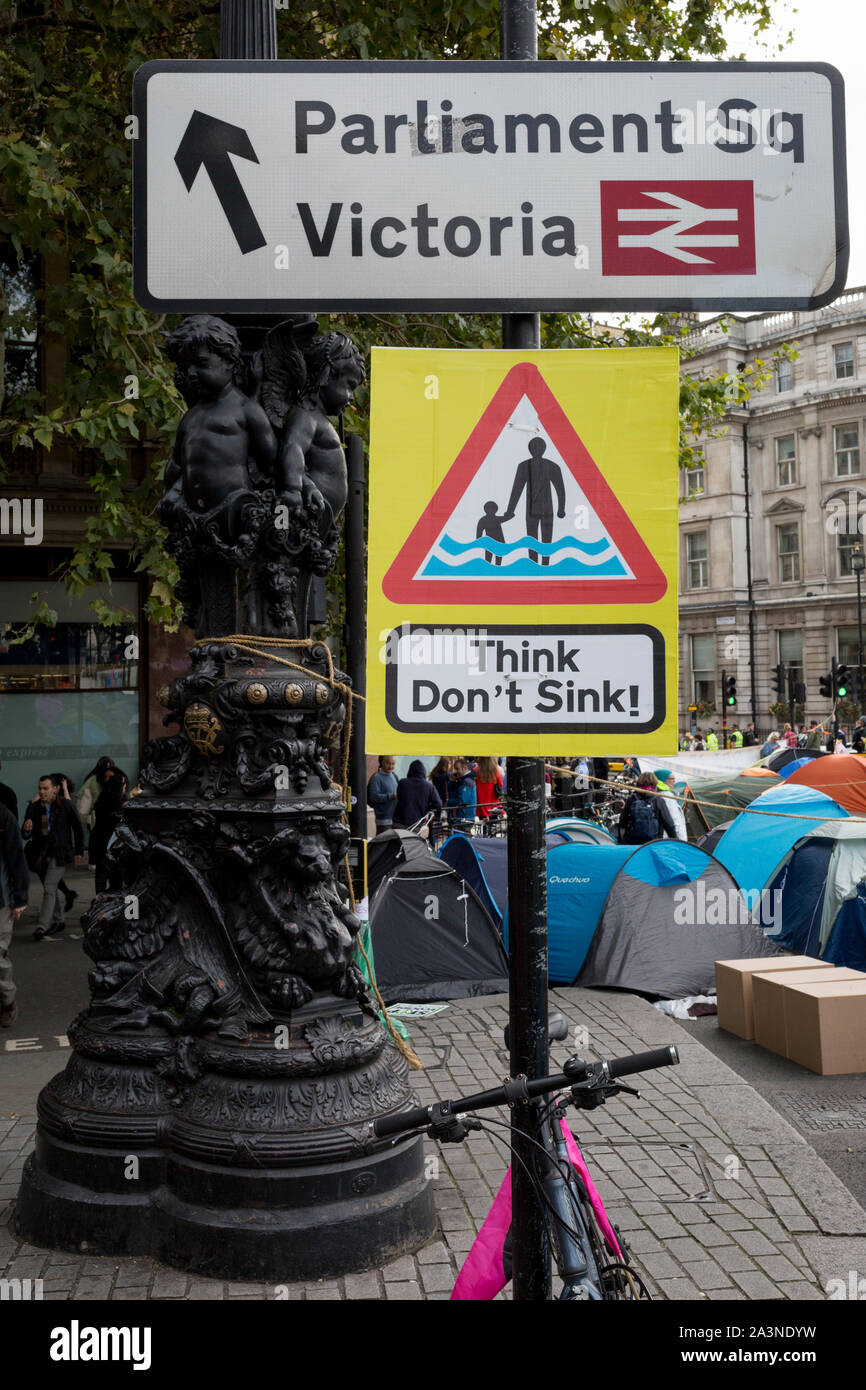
column 524, row 515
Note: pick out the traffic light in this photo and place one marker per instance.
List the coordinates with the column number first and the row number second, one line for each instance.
column 779, row 680
column 825, row 685
column 729, row 690
column 843, row 680
column 800, row 693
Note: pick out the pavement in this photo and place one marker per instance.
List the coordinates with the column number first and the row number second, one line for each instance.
column 717, row 1194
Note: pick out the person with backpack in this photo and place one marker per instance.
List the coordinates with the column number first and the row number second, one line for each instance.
column 645, row 817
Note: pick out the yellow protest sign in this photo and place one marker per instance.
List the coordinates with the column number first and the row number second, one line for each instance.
column 522, row 589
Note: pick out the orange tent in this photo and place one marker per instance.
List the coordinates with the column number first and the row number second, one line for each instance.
column 840, row 775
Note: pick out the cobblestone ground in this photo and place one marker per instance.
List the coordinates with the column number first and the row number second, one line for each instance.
column 717, row 1196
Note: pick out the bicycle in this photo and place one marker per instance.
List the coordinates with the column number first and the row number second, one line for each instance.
column 590, row 1253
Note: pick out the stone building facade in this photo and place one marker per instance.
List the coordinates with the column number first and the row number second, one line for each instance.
column 768, row 525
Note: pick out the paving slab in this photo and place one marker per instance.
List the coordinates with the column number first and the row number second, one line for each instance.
column 718, row 1195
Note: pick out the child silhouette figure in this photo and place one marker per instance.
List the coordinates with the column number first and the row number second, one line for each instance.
column 490, row 524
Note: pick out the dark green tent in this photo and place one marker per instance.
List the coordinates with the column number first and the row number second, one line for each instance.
column 710, row 800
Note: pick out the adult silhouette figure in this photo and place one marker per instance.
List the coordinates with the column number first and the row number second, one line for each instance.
column 541, row 477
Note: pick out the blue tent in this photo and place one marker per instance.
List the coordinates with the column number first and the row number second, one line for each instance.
column 793, row 766
column 483, row 862
column 813, row 870
column 753, row 847
column 618, row 917
column 564, row 828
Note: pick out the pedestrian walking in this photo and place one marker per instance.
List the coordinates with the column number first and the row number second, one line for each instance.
column 462, row 798
column 488, row 788
column 9, row 799
column 666, row 778
column 382, row 793
column 53, row 831
column 416, row 797
column 712, row 741
column 439, row 777
column 789, row 737
column 750, row 738
column 14, row 886
column 114, row 786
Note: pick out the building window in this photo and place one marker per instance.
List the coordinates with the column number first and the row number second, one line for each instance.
column 695, row 480
column 696, row 560
column 791, row 650
column 21, row 365
column 847, row 646
column 788, row 549
column 786, row 461
column 845, row 542
column 843, row 358
column 846, row 450
column 784, row 374
column 704, row 668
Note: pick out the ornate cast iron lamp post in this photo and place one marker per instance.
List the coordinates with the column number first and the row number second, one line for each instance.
column 230, row 1045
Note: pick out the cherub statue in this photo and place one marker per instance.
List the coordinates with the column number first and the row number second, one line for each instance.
column 306, row 379
column 211, row 505
column 207, row 481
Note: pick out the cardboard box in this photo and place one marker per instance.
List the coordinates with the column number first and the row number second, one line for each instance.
column 768, row 997
column 734, row 987
column 826, row 1026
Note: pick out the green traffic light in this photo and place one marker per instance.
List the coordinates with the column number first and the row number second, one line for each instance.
column 842, row 691
column 732, row 699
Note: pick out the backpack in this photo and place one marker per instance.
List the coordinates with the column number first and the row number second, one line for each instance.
column 644, row 821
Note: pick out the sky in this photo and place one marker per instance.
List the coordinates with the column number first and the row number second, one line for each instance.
column 827, row 31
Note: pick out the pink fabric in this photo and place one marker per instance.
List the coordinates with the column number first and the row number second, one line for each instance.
column 597, row 1204
column 482, row 1274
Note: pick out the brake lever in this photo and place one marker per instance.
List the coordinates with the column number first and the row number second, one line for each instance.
column 590, row 1097
column 453, row 1131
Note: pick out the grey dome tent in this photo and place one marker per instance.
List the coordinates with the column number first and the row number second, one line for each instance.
column 671, row 912
column 393, row 847
column 432, row 938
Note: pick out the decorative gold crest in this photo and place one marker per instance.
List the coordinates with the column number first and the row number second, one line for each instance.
column 323, row 694
column 203, row 729
column 257, row 694
column 163, row 694
column 294, row 694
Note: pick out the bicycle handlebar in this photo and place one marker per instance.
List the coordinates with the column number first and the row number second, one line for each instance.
column 520, row 1089
column 644, row 1061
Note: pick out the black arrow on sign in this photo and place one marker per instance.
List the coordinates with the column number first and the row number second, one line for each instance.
column 209, row 142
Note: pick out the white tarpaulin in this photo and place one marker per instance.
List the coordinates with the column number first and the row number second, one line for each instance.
column 687, row 765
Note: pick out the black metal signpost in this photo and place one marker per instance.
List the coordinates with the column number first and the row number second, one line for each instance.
column 527, row 870
column 356, row 653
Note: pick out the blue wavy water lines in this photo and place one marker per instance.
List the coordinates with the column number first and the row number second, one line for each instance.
column 452, row 547
column 569, row 568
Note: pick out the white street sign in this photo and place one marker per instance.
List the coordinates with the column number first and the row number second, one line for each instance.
column 501, row 677
column 271, row 187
